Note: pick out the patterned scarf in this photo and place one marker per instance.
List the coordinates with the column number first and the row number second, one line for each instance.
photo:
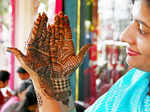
column 129, row 94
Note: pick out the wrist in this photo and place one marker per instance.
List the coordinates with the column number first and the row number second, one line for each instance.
column 52, row 105
column 47, row 104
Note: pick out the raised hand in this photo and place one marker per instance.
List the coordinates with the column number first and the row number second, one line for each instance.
column 50, row 58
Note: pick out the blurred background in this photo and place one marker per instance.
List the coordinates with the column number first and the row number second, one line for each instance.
column 99, row 22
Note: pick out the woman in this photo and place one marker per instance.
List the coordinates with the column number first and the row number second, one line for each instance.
column 130, row 93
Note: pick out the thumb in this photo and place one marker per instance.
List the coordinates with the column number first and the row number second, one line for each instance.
column 84, row 50
column 22, row 59
column 19, row 55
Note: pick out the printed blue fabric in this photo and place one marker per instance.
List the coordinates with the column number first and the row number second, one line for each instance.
column 128, row 94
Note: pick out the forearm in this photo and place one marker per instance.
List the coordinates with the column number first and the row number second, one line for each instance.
column 49, row 104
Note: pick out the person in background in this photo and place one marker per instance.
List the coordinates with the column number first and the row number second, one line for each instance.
column 4, row 79
column 23, row 74
column 13, row 102
column 23, row 99
column 29, row 103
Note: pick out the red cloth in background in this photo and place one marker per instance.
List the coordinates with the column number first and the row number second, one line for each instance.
column 93, row 53
column 58, row 7
column 115, row 75
column 104, row 89
column 92, row 83
column 105, row 82
column 93, row 80
column 2, row 99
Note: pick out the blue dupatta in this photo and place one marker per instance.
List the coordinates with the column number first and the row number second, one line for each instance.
column 128, row 94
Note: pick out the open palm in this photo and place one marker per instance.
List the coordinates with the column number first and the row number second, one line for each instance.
column 50, row 56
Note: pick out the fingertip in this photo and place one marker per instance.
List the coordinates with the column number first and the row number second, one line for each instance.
column 84, row 49
column 87, row 46
column 49, row 27
column 56, row 20
column 66, row 19
column 53, row 28
column 8, row 49
column 43, row 14
column 61, row 14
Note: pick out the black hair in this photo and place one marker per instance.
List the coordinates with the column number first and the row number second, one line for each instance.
column 4, row 75
column 79, row 107
column 148, row 1
column 133, row 1
column 21, row 70
column 30, row 99
column 31, row 96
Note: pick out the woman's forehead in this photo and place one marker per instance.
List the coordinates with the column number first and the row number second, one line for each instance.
column 141, row 11
column 136, row 9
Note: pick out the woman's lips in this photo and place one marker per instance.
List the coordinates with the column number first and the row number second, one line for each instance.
column 131, row 52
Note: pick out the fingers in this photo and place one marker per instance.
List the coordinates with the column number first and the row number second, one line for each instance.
column 43, row 40
column 68, row 42
column 41, row 27
column 35, row 28
column 39, row 31
column 67, row 29
column 56, row 24
column 57, row 37
column 68, row 47
column 53, row 47
column 59, row 26
column 75, row 61
column 15, row 51
column 59, row 33
column 18, row 54
column 83, row 51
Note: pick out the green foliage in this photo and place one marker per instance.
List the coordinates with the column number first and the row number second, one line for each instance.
column 3, row 6
column 44, row 2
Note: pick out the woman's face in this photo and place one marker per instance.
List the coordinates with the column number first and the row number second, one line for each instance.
column 137, row 35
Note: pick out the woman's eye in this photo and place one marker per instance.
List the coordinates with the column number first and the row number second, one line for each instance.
column 132, row 22
column 144, row 29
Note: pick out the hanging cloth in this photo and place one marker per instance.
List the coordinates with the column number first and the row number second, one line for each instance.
column 12, row 60
column 129, row 94
column 58, row 7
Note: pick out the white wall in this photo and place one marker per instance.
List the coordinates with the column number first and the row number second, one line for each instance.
column 24, row 22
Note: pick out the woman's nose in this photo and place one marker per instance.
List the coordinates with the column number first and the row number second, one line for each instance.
column 129, row 35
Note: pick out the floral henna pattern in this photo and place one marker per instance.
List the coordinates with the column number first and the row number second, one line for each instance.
column 51, row 55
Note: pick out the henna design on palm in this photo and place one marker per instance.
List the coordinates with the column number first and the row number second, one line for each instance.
column 51, row 55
